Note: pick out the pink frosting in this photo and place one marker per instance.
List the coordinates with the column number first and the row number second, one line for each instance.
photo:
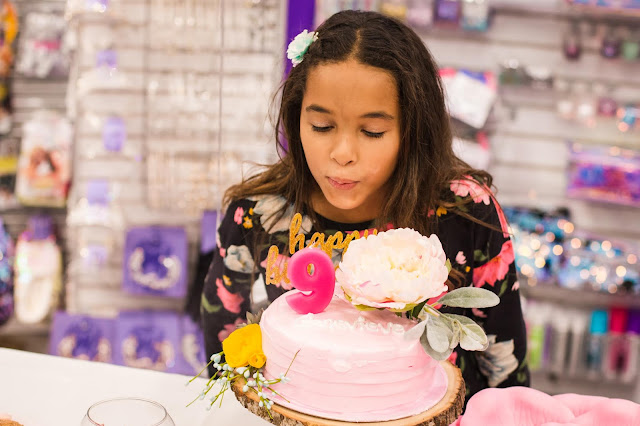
column 351, row 365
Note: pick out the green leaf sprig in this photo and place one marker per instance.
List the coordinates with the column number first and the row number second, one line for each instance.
column 440, row 333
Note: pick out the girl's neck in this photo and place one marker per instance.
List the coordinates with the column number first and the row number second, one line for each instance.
column 362, row 214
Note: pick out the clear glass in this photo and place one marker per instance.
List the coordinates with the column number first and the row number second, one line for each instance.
column 120, row 411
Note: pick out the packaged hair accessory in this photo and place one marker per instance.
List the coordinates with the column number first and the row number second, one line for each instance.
column 41, row 53
column 155, row 261
column 44, row 166
column 38, row 271
column 475, row 15
column 82, row 337
column 470, row 95
column 7, row 252
column 420, row 13
column 95, row 225
column 148, row 340
column 193, row 356
column 105, row 74
column 447, row 11
column 607, row 174
column 109, row 135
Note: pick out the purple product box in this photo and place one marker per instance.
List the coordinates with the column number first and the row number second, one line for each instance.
column 148, row 340
column 155, row 261
column 192, row 358
column 82, row 337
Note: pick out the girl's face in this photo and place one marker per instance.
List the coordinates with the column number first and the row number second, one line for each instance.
column 350, row 132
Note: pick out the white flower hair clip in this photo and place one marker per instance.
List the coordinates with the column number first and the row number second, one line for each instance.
column 299, row 46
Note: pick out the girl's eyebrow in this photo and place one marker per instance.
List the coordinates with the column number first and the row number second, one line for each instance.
column 317, row 108
column 375, row 114
column 378, row 114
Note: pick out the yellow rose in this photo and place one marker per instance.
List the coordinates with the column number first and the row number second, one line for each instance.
column 257, row 360
column 242, row 345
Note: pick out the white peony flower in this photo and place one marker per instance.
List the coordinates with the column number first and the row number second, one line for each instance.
column 395, row 269
column 299, row 46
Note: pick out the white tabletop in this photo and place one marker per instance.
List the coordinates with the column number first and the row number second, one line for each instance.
column 44, row 390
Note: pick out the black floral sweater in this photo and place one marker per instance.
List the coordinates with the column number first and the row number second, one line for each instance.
column 485, row 257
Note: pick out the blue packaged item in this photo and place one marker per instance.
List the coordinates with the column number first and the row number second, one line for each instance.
column 7, row 252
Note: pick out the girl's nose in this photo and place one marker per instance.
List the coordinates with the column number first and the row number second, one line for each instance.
column 344, row 151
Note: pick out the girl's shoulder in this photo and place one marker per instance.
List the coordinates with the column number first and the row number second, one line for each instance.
column 473, row 196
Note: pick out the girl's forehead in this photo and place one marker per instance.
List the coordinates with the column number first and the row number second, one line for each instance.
column 350, row 86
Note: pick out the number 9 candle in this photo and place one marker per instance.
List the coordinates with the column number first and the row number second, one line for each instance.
column 319, row 285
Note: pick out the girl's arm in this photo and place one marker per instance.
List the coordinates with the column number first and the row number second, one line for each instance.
column 227, row 287
column 503, row 363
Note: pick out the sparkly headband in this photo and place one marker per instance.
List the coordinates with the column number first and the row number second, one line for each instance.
column 299, row 46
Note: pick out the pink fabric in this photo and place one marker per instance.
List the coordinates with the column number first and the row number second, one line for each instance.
column 528, row 407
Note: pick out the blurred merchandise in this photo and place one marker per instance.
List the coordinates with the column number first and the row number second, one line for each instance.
column 148, row 339
column 394, row 8
column 82, row 337
column 447, row 11
column 7, row 253
column 538, row 238
column 596, row 345
column 475, row 15
column 41, row 50
column 599, row 265
column 604, row 173
column 611, row 44
column 44, row 171
column 38, row 272
column 470, row 95
column 155, row 261
column 572, row 42
column 420, row 13
column 95, row 226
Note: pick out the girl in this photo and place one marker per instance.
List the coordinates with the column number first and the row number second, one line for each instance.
column 370, row 146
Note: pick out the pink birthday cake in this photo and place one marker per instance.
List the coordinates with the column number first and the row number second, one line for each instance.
column 352, row 365
column 360, row 343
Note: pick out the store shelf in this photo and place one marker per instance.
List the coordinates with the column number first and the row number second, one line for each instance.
column 14, row 328
column 552, row 9
column 578, row 297
column 554, row 385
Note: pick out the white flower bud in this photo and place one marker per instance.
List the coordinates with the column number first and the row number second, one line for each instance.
column 245, row 389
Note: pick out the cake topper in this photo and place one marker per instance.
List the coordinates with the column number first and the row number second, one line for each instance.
column 276, row 271
column 311, row 270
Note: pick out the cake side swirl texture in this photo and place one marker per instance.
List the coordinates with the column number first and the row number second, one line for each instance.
column 350, row 365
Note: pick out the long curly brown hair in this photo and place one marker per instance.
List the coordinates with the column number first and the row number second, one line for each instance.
column 426, row 161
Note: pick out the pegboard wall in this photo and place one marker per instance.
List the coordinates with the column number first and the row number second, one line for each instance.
column 192, row 83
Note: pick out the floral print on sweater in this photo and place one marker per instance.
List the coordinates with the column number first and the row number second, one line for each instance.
column 483, row 255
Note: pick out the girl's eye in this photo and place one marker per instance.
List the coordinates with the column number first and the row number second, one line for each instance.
column 373, row 134
column 321, row 129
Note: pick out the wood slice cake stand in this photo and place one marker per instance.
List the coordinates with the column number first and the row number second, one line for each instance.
column 443, row 413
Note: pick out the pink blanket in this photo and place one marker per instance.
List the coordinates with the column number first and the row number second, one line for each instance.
column 528, row 407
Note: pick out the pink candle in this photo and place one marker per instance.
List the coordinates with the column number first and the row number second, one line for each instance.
column 319, row 285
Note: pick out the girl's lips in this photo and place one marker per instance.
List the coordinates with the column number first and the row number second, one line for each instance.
column 342, row 183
